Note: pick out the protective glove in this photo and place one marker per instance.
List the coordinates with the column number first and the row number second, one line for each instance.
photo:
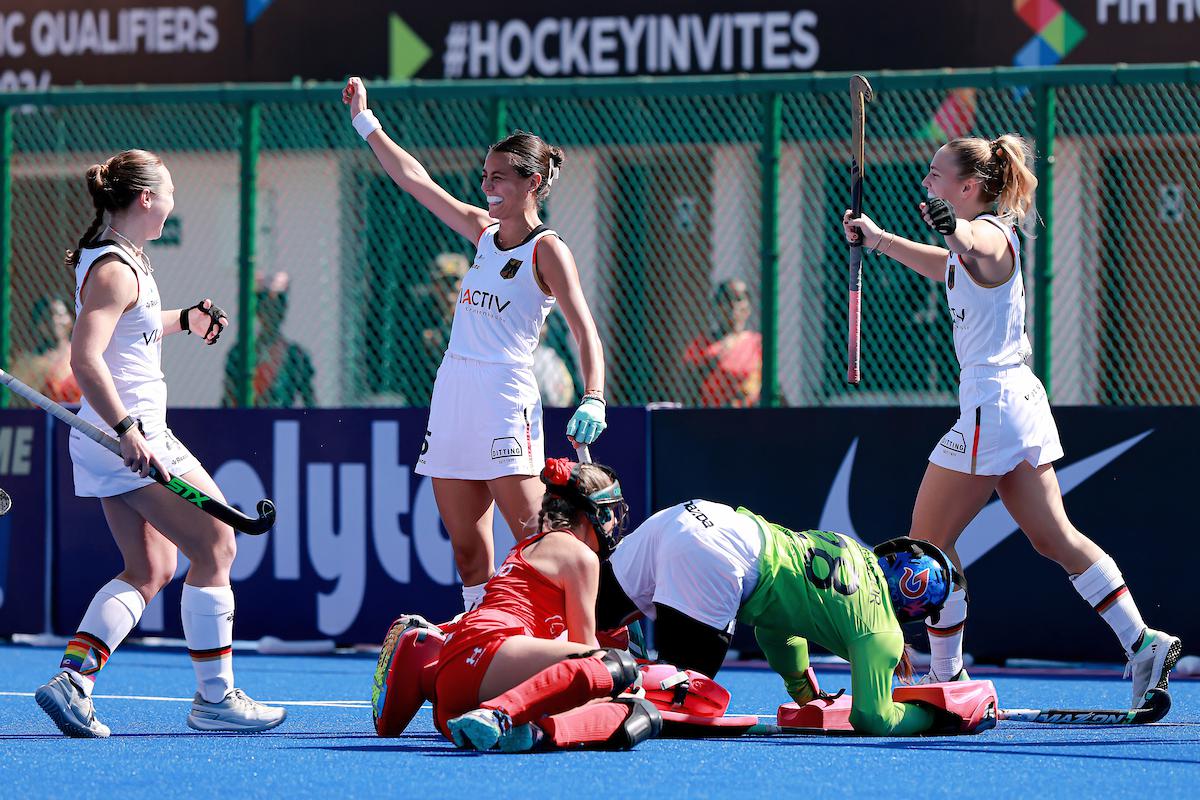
column 941, row 216
column 588, row 422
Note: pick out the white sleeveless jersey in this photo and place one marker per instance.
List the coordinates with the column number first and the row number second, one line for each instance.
column 989, row 321
column 500, row 308
column 699, row 558
column 134, row 354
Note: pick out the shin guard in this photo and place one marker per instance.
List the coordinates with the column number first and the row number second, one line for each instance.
column 560, row 687
column 617, row 725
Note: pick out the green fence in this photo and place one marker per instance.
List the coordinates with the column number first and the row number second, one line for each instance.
column 671, row 189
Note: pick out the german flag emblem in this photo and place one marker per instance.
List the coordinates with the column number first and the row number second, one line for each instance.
column 510, row 269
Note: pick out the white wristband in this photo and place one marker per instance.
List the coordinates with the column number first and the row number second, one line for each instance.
column 365, row 123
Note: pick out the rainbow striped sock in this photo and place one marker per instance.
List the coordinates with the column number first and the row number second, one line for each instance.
column 85, row 655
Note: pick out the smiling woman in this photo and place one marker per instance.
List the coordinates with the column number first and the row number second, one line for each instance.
column 483, row 444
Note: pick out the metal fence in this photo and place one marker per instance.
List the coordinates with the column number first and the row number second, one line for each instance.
column 671, row 189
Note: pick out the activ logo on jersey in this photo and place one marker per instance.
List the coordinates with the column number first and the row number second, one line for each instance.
column 483, row 301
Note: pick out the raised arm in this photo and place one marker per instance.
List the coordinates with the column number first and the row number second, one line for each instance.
column 463, row 218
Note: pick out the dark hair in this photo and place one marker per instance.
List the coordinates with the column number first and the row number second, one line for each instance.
column 730, row 290
column 531, row 154
column 560, row 513
column 1002, row 166
column 114, row 185
column 41, row 316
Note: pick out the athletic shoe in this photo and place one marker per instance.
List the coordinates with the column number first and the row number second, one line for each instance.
column 930, row 677
column 489, row 729
column 237, row 713
column 1150, row 664
column 70, row 709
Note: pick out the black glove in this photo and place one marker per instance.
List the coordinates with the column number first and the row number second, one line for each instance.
column 942, row 216
column 214, row 316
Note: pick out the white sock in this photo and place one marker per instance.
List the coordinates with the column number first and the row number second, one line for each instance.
column 473, row 596
column 1103, row 587
column 946, row 637
column 207, row 613
column 109, row 618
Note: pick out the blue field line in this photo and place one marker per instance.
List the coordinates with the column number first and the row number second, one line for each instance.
column 327, row 747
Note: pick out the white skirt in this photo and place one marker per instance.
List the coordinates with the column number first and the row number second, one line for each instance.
column 101, row 473
column 485, row 422
column 1004, row 419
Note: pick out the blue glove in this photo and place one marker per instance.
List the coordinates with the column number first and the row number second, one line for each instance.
column 588, row 422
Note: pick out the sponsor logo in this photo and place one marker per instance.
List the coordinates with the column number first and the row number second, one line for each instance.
column 477, row 298
column 913, row 585
column 473, row 659
column 954, row 442
column 151, row 303
column 958, row 316
column 992, row 525
column 509, row 270
column 152, row 337
column 700, row 516
column 506, row 447
column 557, row 626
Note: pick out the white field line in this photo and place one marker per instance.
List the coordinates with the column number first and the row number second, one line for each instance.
column 151, row 698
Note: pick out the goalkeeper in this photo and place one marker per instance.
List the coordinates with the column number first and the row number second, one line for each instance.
column 698, row 567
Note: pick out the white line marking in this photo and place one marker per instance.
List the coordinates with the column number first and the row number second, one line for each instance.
column 323, row 703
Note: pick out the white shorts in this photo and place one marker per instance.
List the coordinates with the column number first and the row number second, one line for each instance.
column 485, row 422
column 1005, row 419
column 101, row 473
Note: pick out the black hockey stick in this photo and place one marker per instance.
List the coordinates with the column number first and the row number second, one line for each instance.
column 209, row 505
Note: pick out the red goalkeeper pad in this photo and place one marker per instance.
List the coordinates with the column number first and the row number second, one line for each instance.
column 692, row 705
column 973, row 702
column 404, row 675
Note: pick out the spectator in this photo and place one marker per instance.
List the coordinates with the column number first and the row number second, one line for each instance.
column 283, row 370
column 728, row 361
column 47, row 365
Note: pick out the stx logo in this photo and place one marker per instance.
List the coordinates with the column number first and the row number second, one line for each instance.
column 482, row 299
column 189, row 493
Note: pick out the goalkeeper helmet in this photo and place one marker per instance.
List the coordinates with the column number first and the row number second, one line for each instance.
column 919, row 577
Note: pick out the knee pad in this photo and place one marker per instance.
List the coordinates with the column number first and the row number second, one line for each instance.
column 403, row 673
column 622, row 668
column 644, row 722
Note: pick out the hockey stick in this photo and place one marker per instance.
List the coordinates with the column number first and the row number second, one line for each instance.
column 209, row 505
column 1158, row 703
column 582, row 454
column 860, row 95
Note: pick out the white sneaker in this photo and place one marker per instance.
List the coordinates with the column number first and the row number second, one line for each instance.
column 1151, row 665
column 237, row 713
column 70, row 709
column 930, row 677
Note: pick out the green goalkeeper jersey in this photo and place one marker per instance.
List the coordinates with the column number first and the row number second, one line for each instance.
column 842, row 595
column 826, row 587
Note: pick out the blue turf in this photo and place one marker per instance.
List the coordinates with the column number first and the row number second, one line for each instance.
column 332, row 752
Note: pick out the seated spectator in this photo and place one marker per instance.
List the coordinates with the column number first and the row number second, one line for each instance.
column 728, row 360
column 47, row 365
column 283, row 370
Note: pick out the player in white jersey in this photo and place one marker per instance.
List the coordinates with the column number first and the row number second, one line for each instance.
column 115, row 355
column 1005, row 439
column 483, row 445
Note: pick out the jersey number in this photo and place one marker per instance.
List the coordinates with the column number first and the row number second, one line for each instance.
column 833, row 563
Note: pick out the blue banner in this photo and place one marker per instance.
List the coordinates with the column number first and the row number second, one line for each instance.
column 23, row 530
column 358, row 538
column 1128, row 480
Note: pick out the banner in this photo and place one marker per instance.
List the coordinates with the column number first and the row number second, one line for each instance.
column 44, row 42
column 23, row 474
column 1127, row 481
column 358, row 539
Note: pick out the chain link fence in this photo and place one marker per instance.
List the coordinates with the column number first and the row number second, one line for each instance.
column 703, row 214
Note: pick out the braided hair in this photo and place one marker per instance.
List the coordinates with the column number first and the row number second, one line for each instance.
column 113, row 186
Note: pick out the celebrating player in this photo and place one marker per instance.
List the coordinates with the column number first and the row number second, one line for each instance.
column 522, row 669
column 483, row 443
column 698, row 567
column 116, row 354
column 1005, row 439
